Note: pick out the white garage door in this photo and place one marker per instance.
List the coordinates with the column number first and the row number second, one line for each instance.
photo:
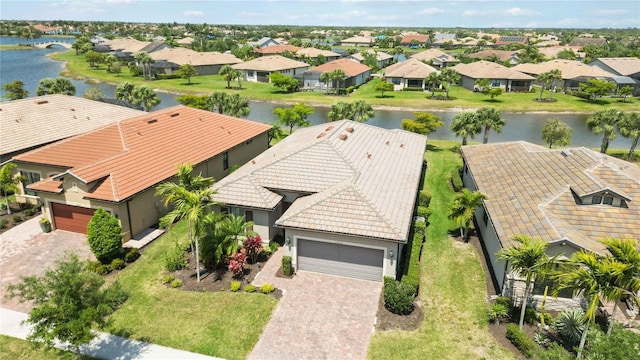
column 343, row 260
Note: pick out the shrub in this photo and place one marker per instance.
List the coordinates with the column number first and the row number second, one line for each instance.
column 506, row 301
column 3, row 206
column 253, row 246
column 425, row 212
column 167, row 278
column 132, row 255
column 117, row 264
column 498, row 312
column 98, row 267
column 236, row 263
column 267, row 288
column 167, row 76
column 398, row 297
column 424, row 198
column 175, row 259
column 176, row 283
column 4, row 223
column 531, row 316
column 28, row 212
column 520, row 340
column 273, row 246
column 235, row 286
column 104, row 235
column 287, row 267
column 135, row 70
column 541, row 339
column 17, row 218
column 554, row 352
column 250, row 288
column 570, row 325
column 351, row 89
column 412, row 89
column 456, row 181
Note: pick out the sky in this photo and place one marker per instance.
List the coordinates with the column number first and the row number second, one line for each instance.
column 375, row 14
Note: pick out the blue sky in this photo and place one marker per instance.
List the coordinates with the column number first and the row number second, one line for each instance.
column 377, row 13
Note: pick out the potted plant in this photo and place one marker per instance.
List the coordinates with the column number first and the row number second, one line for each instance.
column 45, row 225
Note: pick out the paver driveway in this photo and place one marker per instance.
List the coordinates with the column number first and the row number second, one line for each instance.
column 319, row 317
column 26, row 251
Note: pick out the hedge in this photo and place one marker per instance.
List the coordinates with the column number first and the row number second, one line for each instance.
column 520, row 340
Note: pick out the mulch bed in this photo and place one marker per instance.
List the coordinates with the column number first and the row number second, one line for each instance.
column 386, row 320
column 220, row 279
column 16, row 209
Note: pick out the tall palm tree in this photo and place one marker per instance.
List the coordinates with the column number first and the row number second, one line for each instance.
column 237, row 105
column 227, row 73
column 466, row 125
column 146, row 96
column 592, row 276
column 237, row 74
column 217, row 101
column 338, row 76
column 325, row 77
column 145, row 62
column 449, row 75
column 433, row 79
column 124, row 92
column 235, row 228
column 528, row 260
column 490, row 118
column 463, row 207
column 362, row 111
column 605, row 121
column 554, row 75
column 543, row 79
column 630, row 127
column 340, row 110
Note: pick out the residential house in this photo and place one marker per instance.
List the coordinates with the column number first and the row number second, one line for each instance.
column 435, row 58
column 155, row 45
column 311, row 54
column 444, row 40
column 569, row 198
column 263, row 42
column 415, row 41
column 508, row 40
column 277, row 50
column 551, row 52
column 119, row 166
column 624, row 67
column 382, row 58
column 341, row 194
column 185, row 42
column 584, row 41
column 169, row 60
column 507, row 79
column 503, row 56
column 358, row 41
column 356, row 74
column 49, row 30
column 37, row 121
column 573, row 72
column 410, row 73
column 259, row 69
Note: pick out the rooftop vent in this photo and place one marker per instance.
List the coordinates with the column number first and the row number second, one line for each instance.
column 402, row 145
column 42, row 102
column 152, row 121
column 329, row 128
column 321, row 135
column 174, row 114
column 565, row 153
column 369, row 155
column 343, row 137
column 349, row 129
column 72, row 109
column 388, row 142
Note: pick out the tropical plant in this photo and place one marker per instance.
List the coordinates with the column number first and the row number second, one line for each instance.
column 236, row 263
column 125, row 92
column 497, row 313
column 570, row 325
column 597, row 87
column 186, row 71
column 253, row 246
column 466, row 125
column 433, row 80
column 462, row 209
column 295, row 115
column 556, row 132
column 144, row 60
column 605, row 122
column 340, row 110
column 362, row 111
column 624, row 92
column 425, row 123
column 449, row 76
column 58, row 85
column 629, row 127
column 384, row 86
column 237, row 105
column 104, row 235
column 144, row 95
column 554, row 75
column 227, row 73
column 543, row 79
column 235, row 228
column 14, row 90
column 527, row 260
column 9, row 182
column 491, row 119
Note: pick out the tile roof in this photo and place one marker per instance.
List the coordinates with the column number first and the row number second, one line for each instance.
column 358, row 40
column 127, row 44
column 430, row 54
column 277, row 49
column 380, row 55
column 270, row 63
column 490, row 70
column 364, row 185
column 421, row 39
column 410, row 69
column 622, row 65
column 532, row 190
column 502, row 55
column 183, row 56
column 314, row 53
column 137, row 153
column 40, row 120
column 570, row 69
column 584, row 41
column 350, row 67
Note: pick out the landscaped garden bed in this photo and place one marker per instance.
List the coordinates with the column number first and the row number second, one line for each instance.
column 19, row 214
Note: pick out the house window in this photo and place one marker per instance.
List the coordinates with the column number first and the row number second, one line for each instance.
column 396, row 81
column 248, row 216
column 596, row 199
column 225, row 160
column 30, row 178
column 608, row 200
column 250, row 73
column 496, row 83
column 224, row 210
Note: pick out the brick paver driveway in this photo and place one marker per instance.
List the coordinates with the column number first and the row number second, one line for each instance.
column 320, row 317
column 26, row 251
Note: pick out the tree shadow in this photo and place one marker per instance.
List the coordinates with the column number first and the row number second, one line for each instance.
column 491, row 100
column 433, row 148
column 596, row 101
column 385, row 96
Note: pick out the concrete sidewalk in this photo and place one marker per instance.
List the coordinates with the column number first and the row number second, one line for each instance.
column 105, row 346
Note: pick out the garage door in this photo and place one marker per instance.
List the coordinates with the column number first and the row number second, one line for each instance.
column 337, row 259
column 71, row 218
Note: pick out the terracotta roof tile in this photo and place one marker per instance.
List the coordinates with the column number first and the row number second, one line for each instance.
column 277, row 49
column 350, row 67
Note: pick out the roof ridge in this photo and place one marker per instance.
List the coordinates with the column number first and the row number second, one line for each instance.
column 377, row 210
column 261, row 189
column 114, row 186
column 542, row 206
column 316, row 198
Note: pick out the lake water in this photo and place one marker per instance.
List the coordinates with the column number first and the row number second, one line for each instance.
column 30, row 66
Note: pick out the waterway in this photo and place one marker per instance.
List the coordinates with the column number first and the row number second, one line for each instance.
column 30, row 66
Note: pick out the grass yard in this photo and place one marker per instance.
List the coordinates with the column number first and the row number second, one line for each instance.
column 452, row 285
column 17, row 349
column 221, row 324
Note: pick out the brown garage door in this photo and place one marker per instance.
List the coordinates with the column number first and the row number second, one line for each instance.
column 71, row 218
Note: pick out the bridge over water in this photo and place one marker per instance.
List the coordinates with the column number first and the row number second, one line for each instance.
column 48, row 44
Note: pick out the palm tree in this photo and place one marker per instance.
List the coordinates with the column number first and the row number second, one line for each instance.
column 630, row 127
column 146, row 96
column 8, row 182
column 338, row 76
column 490, row 118
column 340, row 110
column 227, row 73
column 190, row 199
column 528, row 260
column 449, row 75
column 58, row 85
column 325, row 77
column 217, row 101
column 237, row 105
column 543, row 79
column 362, row 111
column 554, row 75
column 463, row 207
column 125, row 92
column 605, row 121
column 466, row 125
column 433, row 79
column 145, row 60
column 235, row 227
column 237, row 74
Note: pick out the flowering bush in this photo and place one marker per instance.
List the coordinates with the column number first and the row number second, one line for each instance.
column 253, row 246
column 236, row 263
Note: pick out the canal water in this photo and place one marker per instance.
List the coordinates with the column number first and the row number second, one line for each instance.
column 30, row 66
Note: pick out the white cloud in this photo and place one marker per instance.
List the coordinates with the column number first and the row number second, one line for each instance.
column 611, row 12
column 194, row 13
column 516, row 11
column 349, row 15
column 475, row 13
column 118, row 1
column 430, row 11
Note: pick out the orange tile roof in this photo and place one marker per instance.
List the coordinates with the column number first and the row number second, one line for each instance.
column 350, row 67
column 277, row 49
column 135, row 154
column 419, row 38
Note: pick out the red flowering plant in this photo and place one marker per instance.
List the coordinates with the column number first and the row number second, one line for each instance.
column 236, row 263
column 253, row 246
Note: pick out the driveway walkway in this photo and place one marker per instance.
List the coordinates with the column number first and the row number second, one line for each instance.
column 318, row 317
column 26, row 251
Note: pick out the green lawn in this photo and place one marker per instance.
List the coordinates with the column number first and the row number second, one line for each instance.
column 463, row 98
column 17, row 349
column 221, row 324
column 452, row 285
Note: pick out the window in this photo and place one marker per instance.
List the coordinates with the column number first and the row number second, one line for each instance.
column 608, row 200
column 248, row 216
column 224, row 210
column 596, row 199
column 225, row 160
column 31, row 177
column 250, row 73
column 495, row 83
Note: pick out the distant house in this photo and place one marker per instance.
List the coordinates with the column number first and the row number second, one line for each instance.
column 263, row 42
column 155, row 45
column 49, row 30
column 436, row 58
column 584, row 41
column 358, row 41
column 341, row 195
column 623, row 66
column 118, row 167
column 186, row 42
column 277, row 50
column 441, row 39
column 573, row 72
column 259, row 69
column 513, row 57
column 410, row 73
column 382, row 58
column 416, row 41
column 507, row 79
column 313, row 54
column 508, row 40
column 356, row 73
column 37, row 121
column 551, row 52
column 568, row 198
column 169, row 60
